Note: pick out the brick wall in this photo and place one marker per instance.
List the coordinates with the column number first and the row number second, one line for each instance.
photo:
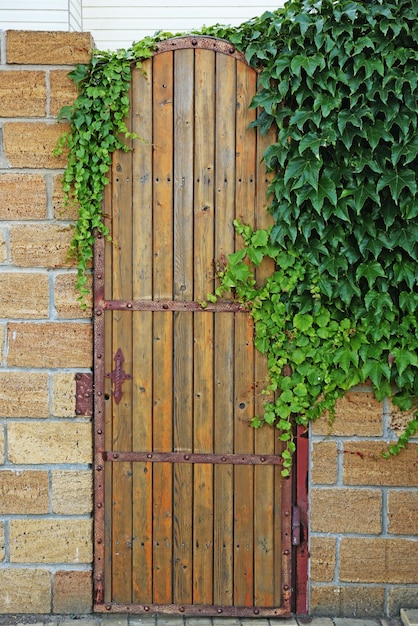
column 363, row 510
column 363, row 513
column 45, row 450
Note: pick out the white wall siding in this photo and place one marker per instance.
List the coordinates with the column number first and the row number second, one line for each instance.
column 75, row 19
column 34, row 14
column 116, row 25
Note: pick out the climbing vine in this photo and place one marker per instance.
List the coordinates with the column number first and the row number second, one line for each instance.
column 338, row 80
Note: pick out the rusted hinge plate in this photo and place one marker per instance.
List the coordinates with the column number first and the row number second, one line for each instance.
column 192, row 457
column 84, row 394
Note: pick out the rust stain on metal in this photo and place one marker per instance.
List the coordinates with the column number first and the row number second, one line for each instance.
column 84, row 394
column 118, row 376
column 189, row 457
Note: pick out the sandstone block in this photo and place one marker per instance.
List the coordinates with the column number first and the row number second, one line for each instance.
column 2, row 542
column 50, row 541
column 31, row 144
column 65, row 344
column 73, row 592
column 25, row 590
column 24, row 295
column 389, row 561
column 2, row 450
column 62, row 89
column 399, row 420
column 66, row 297
column 402, row 598
column 364, row 465
column 24, row 394
column 22, row 197
column 324, row 463
column 346, row 511
column 64, row 392
column 41, row 245
column 2, row 334
column 357, row 413
column 48, row 48
column 347, row 602
column 322, row 553
column 22, row 94
column 53, row 443
column 61, row 212
column 3, row 247
column 23, row 492
column 403, row 512
column 72, row 492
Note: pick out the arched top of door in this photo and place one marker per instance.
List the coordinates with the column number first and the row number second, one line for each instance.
column 200, row 42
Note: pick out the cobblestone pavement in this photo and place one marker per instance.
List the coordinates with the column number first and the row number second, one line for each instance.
column 164, row 620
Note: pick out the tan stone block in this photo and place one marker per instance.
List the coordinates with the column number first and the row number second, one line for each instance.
column 2, row 450
column 399, row 420
column 55, row 442
column 389, row 561
column 22, row 94
column 347, row 602
column 346, row 511
column 403, row 512
column 24, row 394
column 22, row 197
column 2, row 335
column 322, row 559
column 65, row 344
column 50, row 541
column 66, row 297
column 2, row 542
column 62, row 89
column 324, row 462
column 63, row 398
column 73, row 592
column 72, row 492
column 364, row 465
column 24, row 295
column 3, row 247
column 23, row 493
column 357, row 413
column 48, row 47
column 36, row 245
column 402, row 598
column 25, row 590
column 31, row 144
column 62, row 212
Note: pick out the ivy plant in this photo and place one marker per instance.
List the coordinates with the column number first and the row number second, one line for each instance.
column 338, row 80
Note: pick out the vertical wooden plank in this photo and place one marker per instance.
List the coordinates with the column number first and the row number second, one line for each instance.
column 142, row 257
column 183, row 322
column 204, row 166
column 266, row 517
column 224, row 332
column 244, row 351
column 162, row 336
column 122, row 339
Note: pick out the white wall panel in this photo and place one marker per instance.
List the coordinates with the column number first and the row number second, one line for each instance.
column 117, row 24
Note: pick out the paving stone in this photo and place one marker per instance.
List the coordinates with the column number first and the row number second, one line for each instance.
column 113, row 620
column 409, row 617
column 347, row 621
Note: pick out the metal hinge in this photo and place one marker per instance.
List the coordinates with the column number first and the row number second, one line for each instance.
column 296, row 526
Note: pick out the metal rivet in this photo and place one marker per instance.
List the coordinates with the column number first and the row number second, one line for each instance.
column 231, row 50
column 108, row 607
column 194, row 42
column 262, row 459
column 116, row 456
column 256, row 612
column 99, row 393
column 187, row 457
column 165, row 306
column 149, row 456
column 99, row 505
column 99, row 468
column 99, row 356
column 99, row 432
column 286, row 513
column 146, row 608
column 181, row 609
column 129, row 305
column 286, row 587
column 99, row 541
column 223, row 458
column 98, row 312
column 78, row 412
column 286, row 552
column 99, row 276
column 219, row 610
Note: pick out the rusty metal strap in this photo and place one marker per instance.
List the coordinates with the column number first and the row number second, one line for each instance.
column 229, row 306
column 196, row 609
column 190, row 457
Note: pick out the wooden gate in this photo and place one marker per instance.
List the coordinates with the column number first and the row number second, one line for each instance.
column 191, row 513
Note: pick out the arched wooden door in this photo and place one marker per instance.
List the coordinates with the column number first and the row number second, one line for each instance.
column 191, row 513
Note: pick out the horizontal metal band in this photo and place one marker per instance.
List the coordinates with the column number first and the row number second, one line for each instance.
column 195, row 609
column 191, row 457
column 229, row 306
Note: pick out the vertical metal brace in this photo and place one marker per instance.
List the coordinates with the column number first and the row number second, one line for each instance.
column 295, row 526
